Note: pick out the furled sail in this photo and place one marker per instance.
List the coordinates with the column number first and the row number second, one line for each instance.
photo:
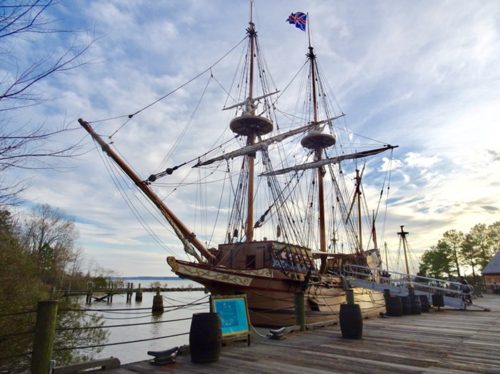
column 331, row 160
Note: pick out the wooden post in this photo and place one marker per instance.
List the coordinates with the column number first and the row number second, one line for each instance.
column 88, row 301
column 45, row 330
column 109, row 299
column 138, row 294
column 130, row 290
column 349, row 296
column 157, row 302
column 300, row 312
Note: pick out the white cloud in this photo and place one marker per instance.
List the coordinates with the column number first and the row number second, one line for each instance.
column 416, row 160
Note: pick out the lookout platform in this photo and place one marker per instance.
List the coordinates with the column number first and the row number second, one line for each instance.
column 445, row 341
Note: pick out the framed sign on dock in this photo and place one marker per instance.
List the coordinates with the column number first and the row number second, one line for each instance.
column 233, row 313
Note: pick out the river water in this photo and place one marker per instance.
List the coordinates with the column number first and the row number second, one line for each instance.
column 119, row 312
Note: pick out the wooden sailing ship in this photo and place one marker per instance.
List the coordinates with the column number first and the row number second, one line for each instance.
column 307, row 254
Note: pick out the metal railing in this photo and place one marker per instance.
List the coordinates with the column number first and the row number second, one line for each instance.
column 400, row 282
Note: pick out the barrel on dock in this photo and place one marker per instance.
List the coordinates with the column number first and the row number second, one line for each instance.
column 393, row 306
column 205, row 338
column 415, row 305
column 351, row 321
column 437, row 300
column 406, row 303
column 424, row 301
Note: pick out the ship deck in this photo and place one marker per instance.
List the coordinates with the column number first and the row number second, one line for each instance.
column 446, row 341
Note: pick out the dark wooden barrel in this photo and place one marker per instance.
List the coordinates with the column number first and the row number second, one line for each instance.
column 205, row 338
column 424, row 301
column 351, row 321
column 437, row 300
column 406, row 303
column 393, row 306
column 416, row 305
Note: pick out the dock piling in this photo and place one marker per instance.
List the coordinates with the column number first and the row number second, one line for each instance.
column 157, row 302
column 88, row 300
column 300, row 313
column 130, row 291
column 45, row 330
column 138, row 294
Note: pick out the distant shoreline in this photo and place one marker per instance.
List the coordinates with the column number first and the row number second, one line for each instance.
column 152, row 278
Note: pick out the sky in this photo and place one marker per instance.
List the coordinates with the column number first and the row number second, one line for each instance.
column 420, row 74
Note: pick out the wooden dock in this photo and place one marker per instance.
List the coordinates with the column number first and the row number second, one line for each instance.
column 446, row 341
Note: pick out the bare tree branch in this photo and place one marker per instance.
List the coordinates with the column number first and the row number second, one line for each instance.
column 20, row 18
column 35, row 73
column 26, row 147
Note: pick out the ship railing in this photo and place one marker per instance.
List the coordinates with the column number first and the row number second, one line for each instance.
column 400, row 282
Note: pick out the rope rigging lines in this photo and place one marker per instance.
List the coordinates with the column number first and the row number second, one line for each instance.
column 163, row 97
column 178, row 319
column 134, row 315
column 119, row 343
column 296, row 220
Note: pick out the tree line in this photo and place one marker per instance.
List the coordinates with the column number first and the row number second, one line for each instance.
column 39, row 257
column 37, row 253
column 457, row 252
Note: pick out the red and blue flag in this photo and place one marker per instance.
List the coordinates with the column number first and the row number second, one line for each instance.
column 298, row 19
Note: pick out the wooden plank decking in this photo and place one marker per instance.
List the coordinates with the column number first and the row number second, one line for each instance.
column 448, row 341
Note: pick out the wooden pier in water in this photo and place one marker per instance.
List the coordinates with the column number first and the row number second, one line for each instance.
column 446, row 341
column 106, row 294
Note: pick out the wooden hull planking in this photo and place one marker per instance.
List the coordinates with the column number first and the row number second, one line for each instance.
column 271, row 298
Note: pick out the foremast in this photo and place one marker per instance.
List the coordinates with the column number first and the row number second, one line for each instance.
column 182, row 231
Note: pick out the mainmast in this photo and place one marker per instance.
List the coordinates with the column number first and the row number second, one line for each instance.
column 318, row 141
column 251, row 138
column 250, row 125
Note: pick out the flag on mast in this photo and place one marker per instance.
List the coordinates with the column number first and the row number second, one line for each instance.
column 298, row 19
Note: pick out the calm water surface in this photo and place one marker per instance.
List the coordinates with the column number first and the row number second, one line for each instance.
column 134, row 352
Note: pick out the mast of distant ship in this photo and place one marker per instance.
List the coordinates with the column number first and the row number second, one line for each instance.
column 358, row 199
column 403, row 235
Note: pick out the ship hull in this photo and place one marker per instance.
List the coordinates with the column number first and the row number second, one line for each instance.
column 271, row 298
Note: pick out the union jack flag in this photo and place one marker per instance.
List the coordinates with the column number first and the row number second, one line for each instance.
column 298, row 19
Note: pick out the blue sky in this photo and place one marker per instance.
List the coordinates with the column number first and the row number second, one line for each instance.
column 420, row 74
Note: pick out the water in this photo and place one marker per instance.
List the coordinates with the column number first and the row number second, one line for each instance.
column 134, row 352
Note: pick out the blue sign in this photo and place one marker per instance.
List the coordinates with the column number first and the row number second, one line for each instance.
column 233, row 314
